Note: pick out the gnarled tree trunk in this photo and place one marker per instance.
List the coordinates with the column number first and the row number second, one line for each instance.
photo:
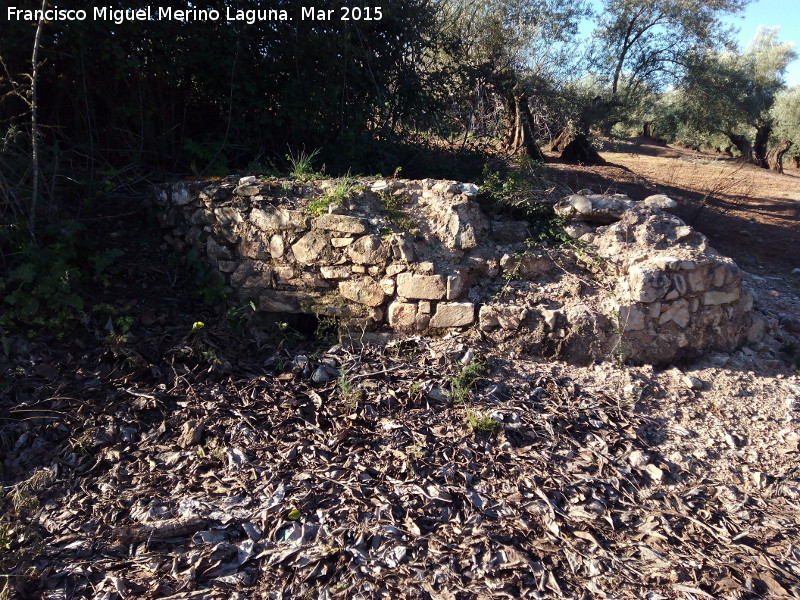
column 580, row 150
column 775, row 156
column 760, row 145
column 564, row 138
column 521, row 140
column 744, row 147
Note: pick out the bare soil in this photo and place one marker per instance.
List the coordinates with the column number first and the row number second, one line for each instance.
column 748, row 213
column 210, row 464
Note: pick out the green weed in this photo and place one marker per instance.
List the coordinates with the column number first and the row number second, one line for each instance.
column 349, row 393
column 481, row 422
column 208, row 283
column 46, row 285
column 238, row 318
column 336, row 195
column 466, row 379
column 302, row 165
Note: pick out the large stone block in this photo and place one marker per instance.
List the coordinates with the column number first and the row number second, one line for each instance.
column 364, row 291
column 421, row 287
column 274, row 301
column 278, row 219
column 308, row 248
column 647, row 285
column 453, row 314
column 403, row 316
column 340, row 224
column 715, row 298
column 368, row 250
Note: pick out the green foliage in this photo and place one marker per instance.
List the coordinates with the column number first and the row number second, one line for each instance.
column 522, row 193
column 482, row 422
column 328, row 330
column 238, row 317
column 337, row 195
column 733, row 93
column 46, row 286
column 208, row 283
column 349, row 392
column 206, row 158
column 302, row 165
column 466, row 379
column 392, row 209
column 786, row 115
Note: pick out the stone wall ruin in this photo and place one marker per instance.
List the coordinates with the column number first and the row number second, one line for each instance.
column 428, row 256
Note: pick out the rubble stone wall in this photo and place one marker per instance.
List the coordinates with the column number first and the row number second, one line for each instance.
column 414, row 256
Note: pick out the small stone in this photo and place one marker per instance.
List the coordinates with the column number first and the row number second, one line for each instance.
column 454, row 286
column 468, row 189
column 631, row 318
column 467, row 358
column 693, row 383
column 340, row 242
column 340, row 224
column 402, row 316
column 335, row 272
column 249, row 180
column 638, row 459
column 247, row 190
column 276, row 246
column 309, row 247
column 654, row 473
column 716, row 298
column 322, row 375
column 387, row 285
column 662, row 202
column 368, row 250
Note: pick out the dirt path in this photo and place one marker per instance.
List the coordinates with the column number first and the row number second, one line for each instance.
column 748, row 213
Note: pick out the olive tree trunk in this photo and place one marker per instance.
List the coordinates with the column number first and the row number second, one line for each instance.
column 775, row 156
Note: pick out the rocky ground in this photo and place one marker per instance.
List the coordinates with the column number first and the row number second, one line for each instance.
column 184, row 462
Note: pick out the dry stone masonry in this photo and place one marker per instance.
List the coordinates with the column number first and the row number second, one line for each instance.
column 428, row 256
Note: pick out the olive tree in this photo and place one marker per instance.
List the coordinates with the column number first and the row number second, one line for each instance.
column 785, row 115
column 643, row 43
column 733, row 93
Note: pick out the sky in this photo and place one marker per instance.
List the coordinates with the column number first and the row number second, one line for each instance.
column 772, row 13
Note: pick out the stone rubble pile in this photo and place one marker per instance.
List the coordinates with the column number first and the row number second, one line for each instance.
column 418, row 256
column 673, row 292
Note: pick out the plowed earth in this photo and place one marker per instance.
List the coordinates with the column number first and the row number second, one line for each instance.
column 183, row 465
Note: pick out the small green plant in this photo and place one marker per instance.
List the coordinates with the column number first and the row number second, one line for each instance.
column 328, row 330
column 481, row 422
column 302, row 165
column 210, row 285
column 45, row 285
column 466, row 379
column 288, row 335
column 349, row 393
column 237, row 317
column 394, row 213
column 337, row 195
column 262, row 168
